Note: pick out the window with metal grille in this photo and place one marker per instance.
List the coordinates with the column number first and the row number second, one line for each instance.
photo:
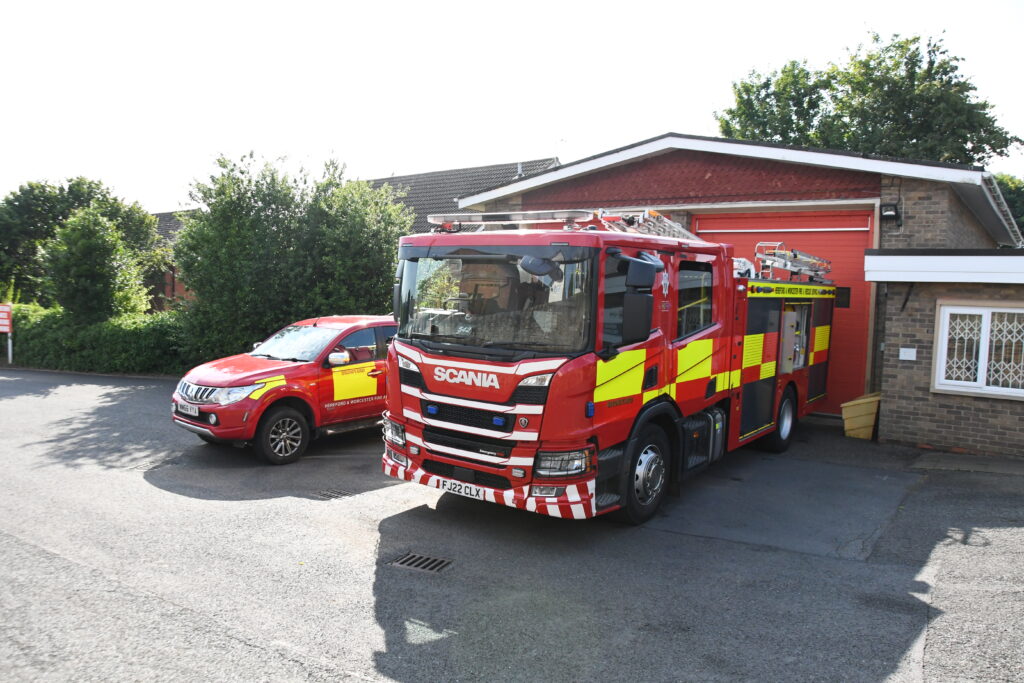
column 980, row 349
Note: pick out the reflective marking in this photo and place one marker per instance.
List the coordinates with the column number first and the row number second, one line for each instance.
column 578, row 512
column 753, row 350
column 268, row 384
column 821, row 337
column 531, row 504
column 352, row 381
column 736, row 380
column 767, row 370
column 694, row 360
column 572, row 493
column 520, row 462
column 621, row 376
column 413, row 439
column 554, row 511
column 510, row 496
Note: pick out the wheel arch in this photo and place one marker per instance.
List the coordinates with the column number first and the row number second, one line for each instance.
column 291, row 401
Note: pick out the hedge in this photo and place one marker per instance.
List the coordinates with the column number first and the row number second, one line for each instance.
column 130, row 344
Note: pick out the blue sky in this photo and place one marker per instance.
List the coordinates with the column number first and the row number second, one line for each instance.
column 145, row 96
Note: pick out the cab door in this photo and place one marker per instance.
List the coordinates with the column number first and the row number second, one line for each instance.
column 354, row 390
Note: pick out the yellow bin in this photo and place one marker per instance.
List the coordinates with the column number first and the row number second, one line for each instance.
column 859, row 416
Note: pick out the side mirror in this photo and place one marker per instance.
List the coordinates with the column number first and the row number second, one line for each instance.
column 339, row 358
column 636, row 317
column 256, row 345
column 641, row 274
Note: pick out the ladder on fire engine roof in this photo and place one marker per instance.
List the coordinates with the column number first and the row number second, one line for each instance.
column 774, row 255
column 649, row 222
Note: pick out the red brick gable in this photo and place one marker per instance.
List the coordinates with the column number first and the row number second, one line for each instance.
column 687, row 177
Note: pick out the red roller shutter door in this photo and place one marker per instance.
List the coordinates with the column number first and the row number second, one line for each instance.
column 841, row 237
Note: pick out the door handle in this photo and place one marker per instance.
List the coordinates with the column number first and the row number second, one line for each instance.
column 374, row 373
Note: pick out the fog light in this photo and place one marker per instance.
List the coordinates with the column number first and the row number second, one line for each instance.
column 518, row 472
column 398, row 457
column 547, row 491
column 212, row 419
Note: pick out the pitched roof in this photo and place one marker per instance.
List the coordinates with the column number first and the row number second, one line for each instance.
column 438, row 191
column 972, row 183
column 168, row 225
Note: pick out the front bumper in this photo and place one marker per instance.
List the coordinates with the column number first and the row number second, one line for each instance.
column 578, row 502
column 235, row 421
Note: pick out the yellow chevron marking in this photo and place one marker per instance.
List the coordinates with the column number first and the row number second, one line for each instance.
column 268, row 384
column 621, row 376
column 753, row 349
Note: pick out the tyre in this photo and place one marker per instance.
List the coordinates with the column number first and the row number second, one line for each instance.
column 283, row 436
column 785, row 424
column 648, row 475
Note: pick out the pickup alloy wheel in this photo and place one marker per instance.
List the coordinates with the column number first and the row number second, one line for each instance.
column 282, row 436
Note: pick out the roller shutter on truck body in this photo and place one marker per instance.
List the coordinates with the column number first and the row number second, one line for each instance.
column 840, row 236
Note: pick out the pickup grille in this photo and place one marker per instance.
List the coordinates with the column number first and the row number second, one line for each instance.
column 196, row 393
column 443, row 469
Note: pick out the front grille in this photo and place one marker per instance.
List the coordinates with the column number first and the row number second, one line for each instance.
column 195, row 393
column 470, row 417
column 410, row 378
column 443, row 469
column 531, row 395
column 466, row 442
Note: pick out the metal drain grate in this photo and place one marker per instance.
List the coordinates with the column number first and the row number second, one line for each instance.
column 421, row 563
column 332, row 494
column 147, row 465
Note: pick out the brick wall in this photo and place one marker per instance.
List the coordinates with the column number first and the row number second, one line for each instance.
column 933, row 217
column 910, row 412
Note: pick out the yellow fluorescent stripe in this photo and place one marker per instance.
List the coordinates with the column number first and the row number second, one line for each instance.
column 821, row 335
column 621, row 376
column 736, row 375
column 693, row 361
column 753, row 349
column 801, row 291
column 351, row 381
column 268, row 384
column 767, row 370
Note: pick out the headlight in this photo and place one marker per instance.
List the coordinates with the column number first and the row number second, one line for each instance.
column 537, row 380
column 563, row 463
column 394, row 432
column 407, row 364
column 233, row 394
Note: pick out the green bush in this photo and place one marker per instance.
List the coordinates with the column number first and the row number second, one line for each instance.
column 138, row 343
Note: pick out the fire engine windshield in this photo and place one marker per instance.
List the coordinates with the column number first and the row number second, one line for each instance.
column 537, row 299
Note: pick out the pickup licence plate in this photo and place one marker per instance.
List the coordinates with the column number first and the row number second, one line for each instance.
column 462, row 489
column 188, row 409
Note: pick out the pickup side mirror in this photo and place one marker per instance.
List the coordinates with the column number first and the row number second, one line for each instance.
column 341, row 357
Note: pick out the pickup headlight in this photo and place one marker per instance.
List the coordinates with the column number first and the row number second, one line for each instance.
column 228, row 395
column 394, row 432
column 406, row 364
column 557, row 464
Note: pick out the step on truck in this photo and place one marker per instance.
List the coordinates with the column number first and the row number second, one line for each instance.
column 574, row 363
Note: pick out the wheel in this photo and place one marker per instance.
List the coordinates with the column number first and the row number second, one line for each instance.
column 648, row 475
column 785, row 423
column 282, row 436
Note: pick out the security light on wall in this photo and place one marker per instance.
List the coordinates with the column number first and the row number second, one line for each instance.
column 891, row 211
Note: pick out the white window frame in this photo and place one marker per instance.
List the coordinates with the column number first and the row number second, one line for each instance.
column 978, row 388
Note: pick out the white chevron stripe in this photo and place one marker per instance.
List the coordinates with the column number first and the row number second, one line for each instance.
column 519, row 408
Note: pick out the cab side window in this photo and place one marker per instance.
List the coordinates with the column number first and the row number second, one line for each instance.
column 361, row 345
column 693, row 311
column 384, row 336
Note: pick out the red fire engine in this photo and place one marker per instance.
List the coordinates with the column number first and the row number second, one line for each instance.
column 573, row 364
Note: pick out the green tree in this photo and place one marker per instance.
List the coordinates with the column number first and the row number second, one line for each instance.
column 1012, row 189
column 31, row 216
column 95, row 276
column 265, row 249
column 905, row 98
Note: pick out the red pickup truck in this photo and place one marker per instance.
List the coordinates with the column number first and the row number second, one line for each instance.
column 314, row 377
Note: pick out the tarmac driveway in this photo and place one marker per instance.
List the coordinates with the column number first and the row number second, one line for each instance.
column 129, row 550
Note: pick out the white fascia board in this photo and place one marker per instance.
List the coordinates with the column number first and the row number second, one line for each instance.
column 793, row 156
column 987, row 269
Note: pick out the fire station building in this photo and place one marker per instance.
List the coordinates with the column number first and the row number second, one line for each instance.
column 930, row 254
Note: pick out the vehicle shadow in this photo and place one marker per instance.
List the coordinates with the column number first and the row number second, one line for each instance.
column 125, row 424
column 704, row 592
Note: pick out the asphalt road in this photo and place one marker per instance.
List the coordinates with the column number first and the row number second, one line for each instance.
column 129, row 550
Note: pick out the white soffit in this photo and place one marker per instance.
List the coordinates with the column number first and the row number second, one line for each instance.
column 1000, row 269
